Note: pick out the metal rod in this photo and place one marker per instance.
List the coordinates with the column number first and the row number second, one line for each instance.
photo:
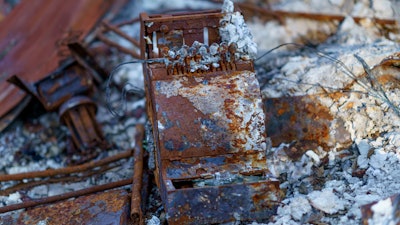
column 120, row 33
column 107, row 41
column 131, row 21
column 136, row 210
column 65, row 196
column 66, row 170
column 63, row 179
column 314, row 16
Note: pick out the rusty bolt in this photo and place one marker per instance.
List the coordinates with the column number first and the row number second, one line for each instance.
column 164, row 28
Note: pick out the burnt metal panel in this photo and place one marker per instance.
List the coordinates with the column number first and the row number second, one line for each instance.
column 302, row 118
column 110, row 207
column 223, row 203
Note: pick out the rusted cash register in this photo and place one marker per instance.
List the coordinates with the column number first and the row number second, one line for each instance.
column 204, row 104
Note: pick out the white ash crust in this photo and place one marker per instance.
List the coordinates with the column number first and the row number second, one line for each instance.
column 364, row 115
column 383, row 213
column 326, row 201
column 233, row 29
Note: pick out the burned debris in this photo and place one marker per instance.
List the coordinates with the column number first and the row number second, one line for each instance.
column 63, row 80
column 308, row 142
column 208, row 122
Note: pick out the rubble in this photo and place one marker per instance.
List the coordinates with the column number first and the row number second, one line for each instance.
column 326, row 201
column 29, row 44
column 340, row 142
column 207, row 121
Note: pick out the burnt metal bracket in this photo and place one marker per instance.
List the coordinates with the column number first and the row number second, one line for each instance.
column 85, row 59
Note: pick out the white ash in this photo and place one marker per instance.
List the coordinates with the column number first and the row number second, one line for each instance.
column 130, row 73
column 299, row 207
column 348, row 192
column 42, row 222
column 209, row 56
column 43, row 145
column 153, row 221
column 302, row 74
column 279, row 163
column 13, row 198
column 351, row 33
column 326, row 201
column 374, row 8
column 233, row 29
column 363, row 158
column 362, row 113
column 366, row 116
column 383, row 213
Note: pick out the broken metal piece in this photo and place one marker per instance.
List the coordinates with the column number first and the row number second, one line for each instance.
column 32, row 52
column 208, row 123
column 136, row 206
column 67, row 170
column 103, row 208
column 6, row 119
column 108, row 27
column 84, row 58
column 120, row 48
column 79, row 115
column 64, row 90
column 73, row 194
column 303, row 119
column 58, row 87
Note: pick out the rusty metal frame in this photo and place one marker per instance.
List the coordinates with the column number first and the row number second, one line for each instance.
column 34, row 41
column 208, row 127
column 56, row 88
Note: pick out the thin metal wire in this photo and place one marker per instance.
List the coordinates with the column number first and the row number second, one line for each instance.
column 119, row 110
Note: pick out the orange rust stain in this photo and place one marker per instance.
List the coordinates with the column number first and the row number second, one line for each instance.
column 320, row 111
column 238, row 142
column 320, row 136
column 77, row 211
column 389, row 80
column 349, row 105
column 336, row 95
column 284, row 108
column 281, row 111
column 236, row 120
